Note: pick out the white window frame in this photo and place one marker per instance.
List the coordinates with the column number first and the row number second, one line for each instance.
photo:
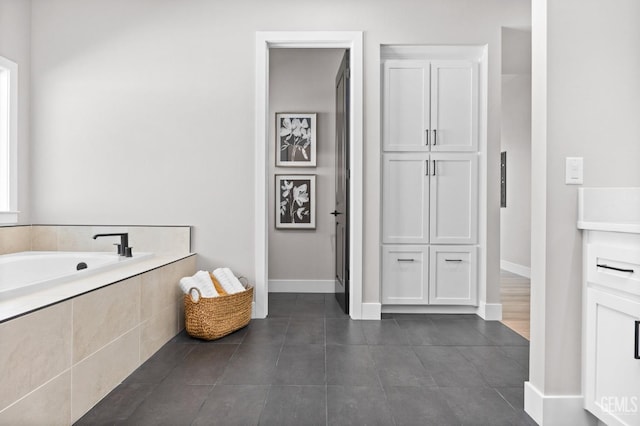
column 8, row 141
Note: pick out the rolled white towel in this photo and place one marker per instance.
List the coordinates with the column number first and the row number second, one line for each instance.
column 202, row 282
column 205, row 285
column 224, row 281
column 237, row 285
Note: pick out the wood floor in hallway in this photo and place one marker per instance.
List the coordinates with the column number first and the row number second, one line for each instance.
column 515, row 293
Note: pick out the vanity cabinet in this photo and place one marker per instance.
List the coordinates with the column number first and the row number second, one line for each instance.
column 430, row 105
column 612, row 333
column 610, row 219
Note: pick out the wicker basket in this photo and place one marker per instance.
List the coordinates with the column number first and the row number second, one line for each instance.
column 211, row 318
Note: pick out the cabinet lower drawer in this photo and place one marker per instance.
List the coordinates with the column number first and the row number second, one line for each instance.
column 452, row 276
column 405, row 274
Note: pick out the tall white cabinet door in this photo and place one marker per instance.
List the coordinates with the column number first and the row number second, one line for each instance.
column 612, row 371
column 405, row 106
column 452, row 275
column 454, row 199
column 405, row 199
column 405, row 275
column 454, row 106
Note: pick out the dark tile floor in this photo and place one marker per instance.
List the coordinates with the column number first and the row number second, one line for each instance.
column 309, row 364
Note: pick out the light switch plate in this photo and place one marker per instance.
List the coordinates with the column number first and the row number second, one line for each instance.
column 574, row 171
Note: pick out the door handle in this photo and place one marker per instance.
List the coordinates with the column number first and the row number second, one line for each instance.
column 335, row 213
column 636, row 352
column 433, row 170
column 435, row 136
column 427, row 136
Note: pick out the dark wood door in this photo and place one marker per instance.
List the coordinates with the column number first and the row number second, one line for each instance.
column 341, row 211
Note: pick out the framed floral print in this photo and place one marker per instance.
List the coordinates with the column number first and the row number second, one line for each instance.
column 296, row 139
column 295, row 202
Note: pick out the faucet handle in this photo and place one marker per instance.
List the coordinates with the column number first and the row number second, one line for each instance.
column 119, row 249
column 127, row 252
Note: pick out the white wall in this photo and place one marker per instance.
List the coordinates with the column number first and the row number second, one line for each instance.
column 303, row 80
column 15, row 43
column 143, row 111
column 586, row 102
column 515, row 219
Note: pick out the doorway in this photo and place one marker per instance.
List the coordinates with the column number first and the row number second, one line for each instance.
column 352, row 41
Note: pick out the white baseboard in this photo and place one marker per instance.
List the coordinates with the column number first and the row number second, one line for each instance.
column 556, row 410
column 371, row 311
column 301, row 286
column 523, row 271
column 490, row 311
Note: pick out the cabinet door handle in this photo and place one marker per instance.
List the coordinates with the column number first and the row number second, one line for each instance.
column 453, row 260
column 406, row 260
column 614, row 268
column 427, row 138
column 427, row 164
column 433, row 170
column 636, row 352
column 435, row 136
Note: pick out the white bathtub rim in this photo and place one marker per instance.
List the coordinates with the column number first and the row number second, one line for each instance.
column 22, row 305
column 12, row 289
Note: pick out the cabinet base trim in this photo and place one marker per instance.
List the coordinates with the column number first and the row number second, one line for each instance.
column 371, row 311
column 556, row 409
column 490, row 311
column 301, row 286
column 428, row 309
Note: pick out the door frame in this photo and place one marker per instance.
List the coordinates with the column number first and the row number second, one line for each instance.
column 266, row 40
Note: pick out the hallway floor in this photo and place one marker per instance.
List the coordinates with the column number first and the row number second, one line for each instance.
column 309, row 364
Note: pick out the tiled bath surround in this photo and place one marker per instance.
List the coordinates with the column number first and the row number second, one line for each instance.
column 58, row 362
column 155, row 239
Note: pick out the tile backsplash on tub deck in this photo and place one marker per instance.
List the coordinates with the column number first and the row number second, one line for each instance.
column 14, row 239
column 154, row 239
column 169, row 240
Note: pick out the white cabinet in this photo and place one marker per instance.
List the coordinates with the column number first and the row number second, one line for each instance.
column 430, row 181
column 430, row 105
column 452, row 277
column 405, row 199
column 453, row 205
column 422, row 274
column 612, row 385
column 429, row 198
column 612, row 333
column 405, row 274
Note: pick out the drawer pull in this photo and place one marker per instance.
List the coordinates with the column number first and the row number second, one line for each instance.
column 453, row 260
column 406, row 260
column 636, row 352
column 614, row 268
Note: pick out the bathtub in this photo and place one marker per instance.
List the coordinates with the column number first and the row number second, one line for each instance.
column 28, row 271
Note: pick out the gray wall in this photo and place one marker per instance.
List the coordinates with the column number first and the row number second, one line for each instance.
column 15, row 43
column 586, row 102
column 303, row 80
column 515, row 219
column 143, row 111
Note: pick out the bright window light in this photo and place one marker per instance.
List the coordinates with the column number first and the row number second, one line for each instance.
column 8, row 140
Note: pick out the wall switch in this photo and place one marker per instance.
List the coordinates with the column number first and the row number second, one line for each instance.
column 574, row 171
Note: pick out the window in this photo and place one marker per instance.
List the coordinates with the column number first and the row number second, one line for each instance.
column 8, row 141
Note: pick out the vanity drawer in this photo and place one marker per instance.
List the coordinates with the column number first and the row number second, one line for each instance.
column 614, row 267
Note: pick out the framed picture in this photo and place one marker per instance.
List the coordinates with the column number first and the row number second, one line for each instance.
column 296, row 139
column 295, row 202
